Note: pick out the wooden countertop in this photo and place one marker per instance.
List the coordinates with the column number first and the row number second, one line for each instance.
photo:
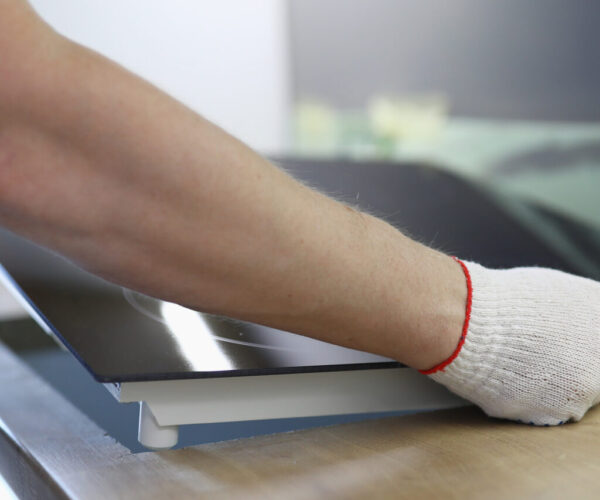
column 50, row 449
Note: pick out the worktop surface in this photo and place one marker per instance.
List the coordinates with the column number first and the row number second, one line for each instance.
column 50, row 449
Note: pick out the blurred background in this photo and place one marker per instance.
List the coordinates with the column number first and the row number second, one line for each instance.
column 505, row 94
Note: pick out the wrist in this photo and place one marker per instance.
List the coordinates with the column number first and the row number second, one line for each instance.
column 441, row 312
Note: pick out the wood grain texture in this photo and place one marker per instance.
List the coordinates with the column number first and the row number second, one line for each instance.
column 48, row 449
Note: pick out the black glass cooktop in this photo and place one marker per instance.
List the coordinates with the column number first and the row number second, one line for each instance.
column 121, row 335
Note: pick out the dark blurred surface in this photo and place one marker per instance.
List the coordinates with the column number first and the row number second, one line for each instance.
column 466, row 219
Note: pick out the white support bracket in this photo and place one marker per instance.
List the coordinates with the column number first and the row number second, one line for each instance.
column 151, row 434
column 166, row 404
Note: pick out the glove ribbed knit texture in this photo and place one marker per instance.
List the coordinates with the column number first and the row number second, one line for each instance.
column 532, row 346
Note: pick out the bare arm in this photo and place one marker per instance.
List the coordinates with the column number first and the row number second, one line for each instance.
column 106, row 169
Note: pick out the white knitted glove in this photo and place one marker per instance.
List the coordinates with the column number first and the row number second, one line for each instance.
column 530, row 349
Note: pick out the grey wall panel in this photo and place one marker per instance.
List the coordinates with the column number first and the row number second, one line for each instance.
column 536, row 59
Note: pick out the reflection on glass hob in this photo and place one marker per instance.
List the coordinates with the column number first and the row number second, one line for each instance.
column 121, row 335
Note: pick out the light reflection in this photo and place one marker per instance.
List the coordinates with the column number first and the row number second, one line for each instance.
column 193, row 335
column 133, row 299
column 12, row 304
column 6, row 492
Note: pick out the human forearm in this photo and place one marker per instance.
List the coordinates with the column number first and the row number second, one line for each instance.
column 107, row 170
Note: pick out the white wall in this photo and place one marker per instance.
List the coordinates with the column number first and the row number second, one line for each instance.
column 227, row 59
